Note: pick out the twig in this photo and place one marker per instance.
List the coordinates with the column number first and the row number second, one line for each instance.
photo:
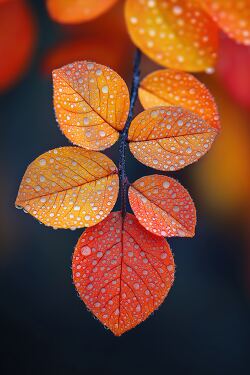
column 124, row 134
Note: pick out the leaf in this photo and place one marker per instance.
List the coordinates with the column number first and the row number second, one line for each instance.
column 17, row 21
column 232, row 16
column 122, row 272
column 163, row 206
column 169, row 138
column 175, row 33
column 89, row 44
column 69, row 187
column 172, row 87
column 77, row 11
column 233, row 70
column 91, row 104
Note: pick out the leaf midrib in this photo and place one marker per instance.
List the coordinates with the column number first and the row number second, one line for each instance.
column 67, row 189
column 156, row 205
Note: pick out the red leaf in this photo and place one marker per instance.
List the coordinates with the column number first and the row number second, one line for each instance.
column 233, row 70
column 77, row 11
column 122, row 272
column 163, row 206
column 17, row 37
column 177, row 34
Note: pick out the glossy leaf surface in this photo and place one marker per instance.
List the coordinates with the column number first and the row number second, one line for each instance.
column 122, row 272
column 77, row 11
column 168, row 87
column 169, row 138
column 91, row 104
column 233, row 16
column 163, row 206
column 69, row 187
column 176, row 33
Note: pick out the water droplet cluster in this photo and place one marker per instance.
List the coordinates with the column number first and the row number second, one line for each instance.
column 69, row 187
column 168, row 87
column 175, row 33
column 74, row 12
column 169, row 138
column 91, row 103
column 163, row 206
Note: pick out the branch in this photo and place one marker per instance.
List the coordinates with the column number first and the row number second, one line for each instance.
column 124, row 134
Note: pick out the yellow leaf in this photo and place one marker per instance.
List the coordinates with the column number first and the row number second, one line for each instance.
column 91, row 103
column 177, row 33
column 169, row 138
column 168, row 87
column 69, row 187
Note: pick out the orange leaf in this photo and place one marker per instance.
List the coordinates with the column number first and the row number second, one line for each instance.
column 69, row 187
column 172, row 87
column 17, row 38
column 169, row 138
column 175, row 33
column 122, row 272
column 163, row 206
column 91, row 103
column 233, row 16
column 77, row 11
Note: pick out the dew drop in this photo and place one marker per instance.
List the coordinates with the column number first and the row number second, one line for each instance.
column 86, row 250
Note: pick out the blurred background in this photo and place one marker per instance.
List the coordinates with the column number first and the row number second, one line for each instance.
column 203, row 327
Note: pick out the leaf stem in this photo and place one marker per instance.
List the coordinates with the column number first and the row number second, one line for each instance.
column 124, row 134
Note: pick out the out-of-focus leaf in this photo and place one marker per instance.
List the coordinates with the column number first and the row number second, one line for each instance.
column 223, row 178
column 91, row 41
column 233, row 70
column 169, row 138
column 176, row 33
column 172, row 87
column 77, row 11
column 69, row 187
column 122, row 272
column 17, row 38
column 92, row 48
column 163, row 206
column 233, row 16
column 91, row 103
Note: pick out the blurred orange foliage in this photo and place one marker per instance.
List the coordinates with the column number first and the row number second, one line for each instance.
column 104, row 41
column 177, row 34
column 17, row 38
column 77, row 11
column 232, row 16
column 223, row 178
